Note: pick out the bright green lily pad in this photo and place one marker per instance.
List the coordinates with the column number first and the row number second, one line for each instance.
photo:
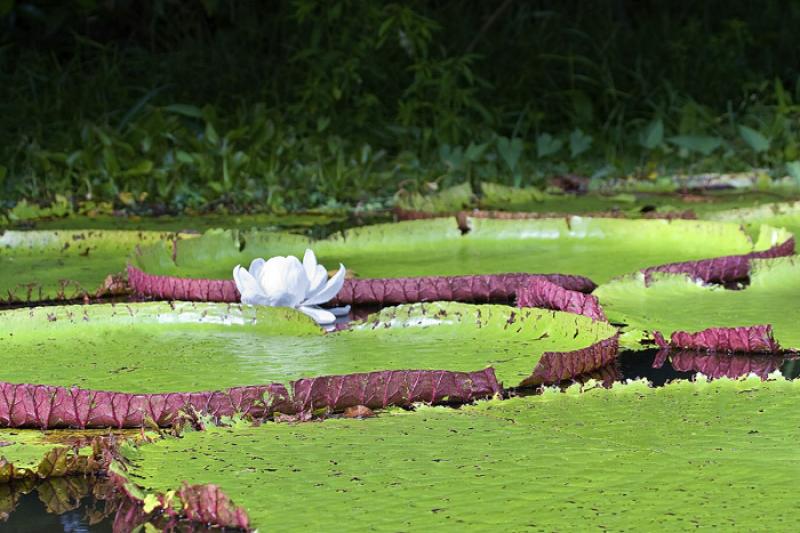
column 597, row 248
column 51, row 265
column 674, row 303
column 688, row 455
column 184, row 347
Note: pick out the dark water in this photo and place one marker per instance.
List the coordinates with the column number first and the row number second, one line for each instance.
column 69, row 505
column 661, row 368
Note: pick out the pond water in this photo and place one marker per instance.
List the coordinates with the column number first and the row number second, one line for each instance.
column 59, row 504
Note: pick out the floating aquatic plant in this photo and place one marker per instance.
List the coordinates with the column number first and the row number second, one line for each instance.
column 285, row 282
column 124, row 365
column 674, row 303
column 718, row 449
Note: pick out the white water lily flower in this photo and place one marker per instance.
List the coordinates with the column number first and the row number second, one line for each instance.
column 285, row 282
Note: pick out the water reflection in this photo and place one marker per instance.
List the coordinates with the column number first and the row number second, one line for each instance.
column 72, row 504
column 77, row 504
column 662, row 366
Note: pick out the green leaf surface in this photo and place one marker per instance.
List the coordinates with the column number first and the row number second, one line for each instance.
column 675, row 303
column 778, row 214
column 579, row 142
column 754, row 139
column 49, row 265
column 593, row 247
column 653, row 135
column 184, row 347
column 547, row 145
column 689, row 455
column 702, row 144
column 29, row 452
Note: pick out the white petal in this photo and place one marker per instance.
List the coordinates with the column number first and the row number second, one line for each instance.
column 310, row 263
column 320, row 316
column 340, row 311
column 248, row 286
column 318, row 281
column 296, row 282
column 272, row 279
column 255, row 267
column 331, row 289
column 279, row 281
column 256, row 299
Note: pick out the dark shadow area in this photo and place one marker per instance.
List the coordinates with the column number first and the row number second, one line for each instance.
column 661, row 368
column 69, row 504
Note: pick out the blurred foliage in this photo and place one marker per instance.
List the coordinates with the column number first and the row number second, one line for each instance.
column 305, row 103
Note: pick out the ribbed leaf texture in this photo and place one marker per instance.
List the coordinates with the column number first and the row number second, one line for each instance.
column 558, row 366
column 207, row 504
column 722, row 269
column 544, row 293
column 44, row 406
column 716, row 365
column 495, row 288
column 389, row 291
column 382, row 389
column 749, row 339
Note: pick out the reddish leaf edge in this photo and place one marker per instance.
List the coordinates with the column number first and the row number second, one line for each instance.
column 51, row 407
column 726, row 269
column 552, row 291
column 554, row 367
column 741, row 339
column 205, row 504
column 715, row 365
column 546, row 294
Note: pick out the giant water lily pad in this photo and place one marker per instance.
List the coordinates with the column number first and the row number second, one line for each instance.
column 58, row 265
column 687, row 455
column 153, row 348
column 670, row 303
column 597, row 248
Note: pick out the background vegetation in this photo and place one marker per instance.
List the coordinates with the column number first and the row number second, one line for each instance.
column 303, row 103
